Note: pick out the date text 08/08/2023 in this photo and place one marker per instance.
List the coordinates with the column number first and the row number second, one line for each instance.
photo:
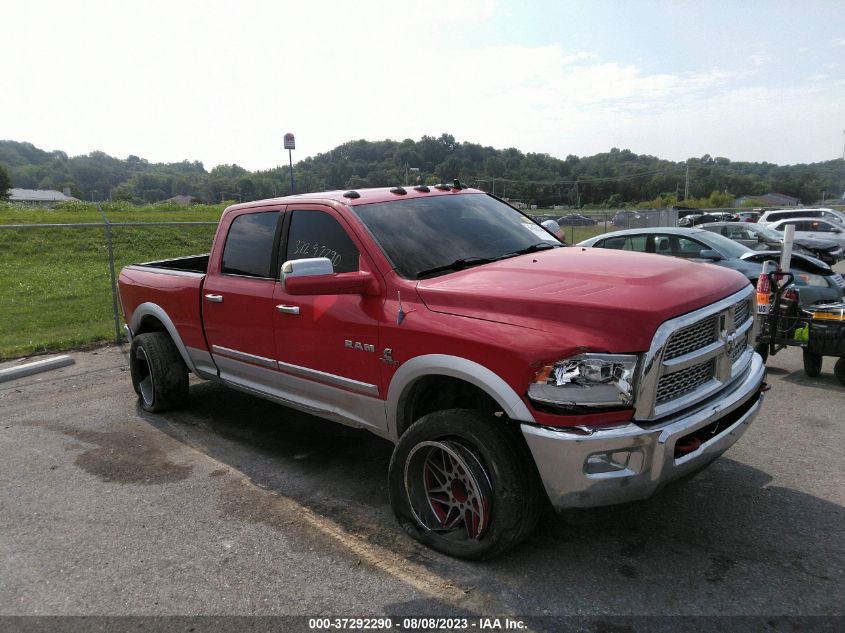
column 416, row 624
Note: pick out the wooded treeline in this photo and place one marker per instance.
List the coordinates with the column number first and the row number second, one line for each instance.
column 613, row 179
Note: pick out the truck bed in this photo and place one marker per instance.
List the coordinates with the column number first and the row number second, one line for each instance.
column 166, row 290
column 192, row 263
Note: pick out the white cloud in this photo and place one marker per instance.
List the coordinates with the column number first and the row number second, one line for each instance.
column 759, row 59
column 222, row 83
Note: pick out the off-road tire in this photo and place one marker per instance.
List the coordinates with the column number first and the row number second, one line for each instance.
column 159, row 375
column 515, row 495
column 812, row 364
column 839, row 370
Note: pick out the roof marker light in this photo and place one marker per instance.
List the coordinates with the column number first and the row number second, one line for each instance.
column 443, row 187
column 422, row 188
column 398, row 191
column 352, row 194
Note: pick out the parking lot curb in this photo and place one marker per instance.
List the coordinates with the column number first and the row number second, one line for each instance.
column 13, row 373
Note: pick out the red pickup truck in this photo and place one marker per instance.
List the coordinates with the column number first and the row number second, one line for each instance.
column 508, row 371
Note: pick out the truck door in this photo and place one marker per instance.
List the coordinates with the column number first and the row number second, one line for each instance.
column 237, row 301
column 327, row 345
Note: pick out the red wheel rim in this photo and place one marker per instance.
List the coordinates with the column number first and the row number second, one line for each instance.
column 448, row 489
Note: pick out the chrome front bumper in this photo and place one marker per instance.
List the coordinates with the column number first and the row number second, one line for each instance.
column 621, row 464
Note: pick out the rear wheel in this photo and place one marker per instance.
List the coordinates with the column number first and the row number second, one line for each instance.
column 812, row 364
column 463, row 483
column 839, row 370
column 159, row 375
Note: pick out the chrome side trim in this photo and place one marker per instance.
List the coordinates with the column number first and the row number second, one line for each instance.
column 249, row 358
column 726, row 371
column 317, row 398
column 332, row 379
column 165, row 271
column 127, row 332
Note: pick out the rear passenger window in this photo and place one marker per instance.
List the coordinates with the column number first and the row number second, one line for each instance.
column 689, row 248
column 249, row 245
column 630, row 243
column 636, row 243
column 614, row 242
column 799, row 226
column 317, row 234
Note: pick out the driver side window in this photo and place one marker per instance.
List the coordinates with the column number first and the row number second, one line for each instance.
column 317, row 234
column 688, row 248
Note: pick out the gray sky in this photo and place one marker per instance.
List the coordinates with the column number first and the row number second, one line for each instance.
column 221, row 82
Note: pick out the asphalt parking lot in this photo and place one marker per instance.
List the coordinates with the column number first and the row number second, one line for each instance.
column 237, row 506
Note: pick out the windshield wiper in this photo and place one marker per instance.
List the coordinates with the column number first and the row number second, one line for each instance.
column 539, row 246
column 458, row 264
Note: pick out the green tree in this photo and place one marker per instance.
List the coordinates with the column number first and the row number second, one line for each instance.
column 5, row 183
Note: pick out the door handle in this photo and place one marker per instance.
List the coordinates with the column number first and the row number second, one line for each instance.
column 288, row 309
column 215, row 298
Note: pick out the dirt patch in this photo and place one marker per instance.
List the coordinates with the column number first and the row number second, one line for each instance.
column 123, row 457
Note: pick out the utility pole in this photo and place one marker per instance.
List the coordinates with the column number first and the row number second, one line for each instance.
column 686, row 184
column 843, row 168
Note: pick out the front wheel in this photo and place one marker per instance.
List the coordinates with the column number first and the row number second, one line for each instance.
column 159, row 375
column 812, row 364
column 463, row 483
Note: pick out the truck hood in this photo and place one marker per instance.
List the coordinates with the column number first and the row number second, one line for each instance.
column 617, row 297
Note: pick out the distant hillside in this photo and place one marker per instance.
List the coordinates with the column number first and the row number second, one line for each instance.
column 614, row 178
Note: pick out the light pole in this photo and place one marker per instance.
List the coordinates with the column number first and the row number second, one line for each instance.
column 290, row 144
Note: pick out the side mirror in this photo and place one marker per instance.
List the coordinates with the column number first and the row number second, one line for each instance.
column 710, row 254
column 761, row 237
column 306, row 268
column 835, row 230
column 317, row 277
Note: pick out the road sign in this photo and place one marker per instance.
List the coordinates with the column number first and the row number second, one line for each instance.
column 290, row 142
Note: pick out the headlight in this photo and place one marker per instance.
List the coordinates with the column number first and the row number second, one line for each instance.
column 587, row 380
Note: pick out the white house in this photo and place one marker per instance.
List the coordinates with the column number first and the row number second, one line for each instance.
column 39, row 197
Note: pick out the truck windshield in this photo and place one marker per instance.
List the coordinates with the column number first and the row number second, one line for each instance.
column 423, row 237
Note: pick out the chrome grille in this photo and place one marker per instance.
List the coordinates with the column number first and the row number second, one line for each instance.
column 695, row 355
column 742, row 311
column 675, row 385
column 691, row 338
column 741, row 346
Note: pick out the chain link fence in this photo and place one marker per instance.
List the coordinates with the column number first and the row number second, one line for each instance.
column 584, row 224
column 58, row 282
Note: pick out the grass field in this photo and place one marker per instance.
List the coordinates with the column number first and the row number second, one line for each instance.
column 55, row 291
